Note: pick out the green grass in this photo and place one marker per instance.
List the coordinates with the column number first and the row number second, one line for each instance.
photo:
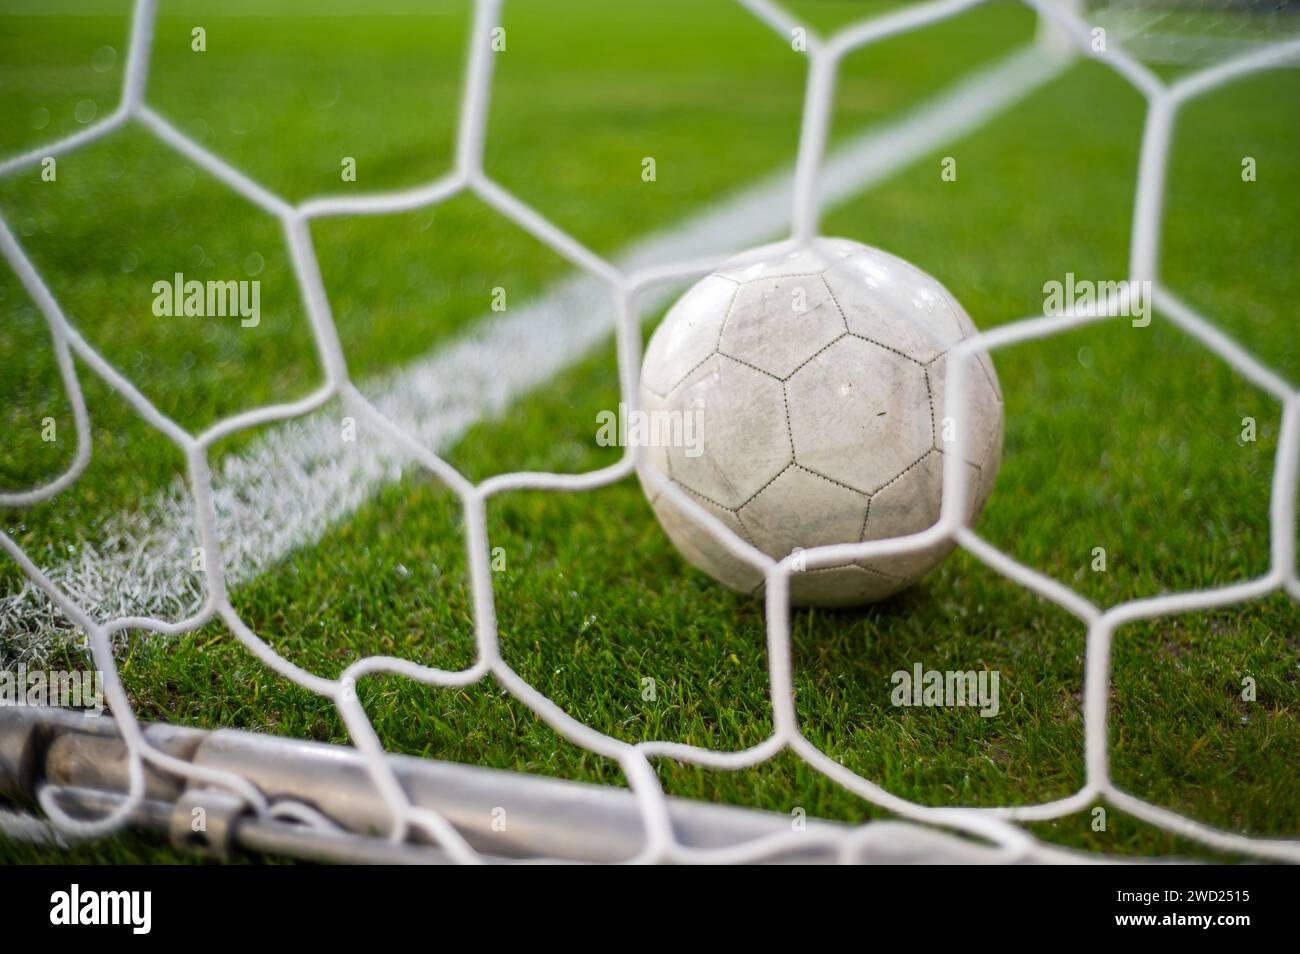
column 1116, row 437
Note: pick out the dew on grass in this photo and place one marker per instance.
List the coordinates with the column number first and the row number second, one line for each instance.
column 326, row 95
column 104, row 59
column 243, row 121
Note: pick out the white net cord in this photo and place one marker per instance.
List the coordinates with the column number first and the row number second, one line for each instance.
column 998, row 826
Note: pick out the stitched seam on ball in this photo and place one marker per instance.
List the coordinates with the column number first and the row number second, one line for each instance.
column 695, row 493
column 973, row 463
column 903, row 473
column 879, row 344
column 880, row 573
column 941, row 354
column 854, row 566
column 992, row 386
column 831, row 291
column 789, row 428
column 838, row 483
column 766, row 485
column 753, row 367
column 815, row 355
column 934, row 420
column 997, row 391
column 731, row 304
column 781, row 278
column 703, row 362
column 662, row 397
column 745, row 531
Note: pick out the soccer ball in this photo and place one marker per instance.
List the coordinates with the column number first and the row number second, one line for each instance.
column 817, row 377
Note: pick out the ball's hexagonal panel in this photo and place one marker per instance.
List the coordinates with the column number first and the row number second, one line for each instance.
column 761, row 263
column 859, row 414
column 688, row 334
column 801, row 509
column 741, row 423
column 701, row 549
column 909, row 505
column 983, row 407
column 889, row 301
column 776, row 324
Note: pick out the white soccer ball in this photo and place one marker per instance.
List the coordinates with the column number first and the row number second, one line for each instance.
column 817, row 378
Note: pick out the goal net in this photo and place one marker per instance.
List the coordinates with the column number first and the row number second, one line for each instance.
column 1194, row 32
column 324, row 802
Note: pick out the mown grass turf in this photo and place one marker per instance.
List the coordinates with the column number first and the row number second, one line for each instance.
column 731, row 95
column 1117, row 437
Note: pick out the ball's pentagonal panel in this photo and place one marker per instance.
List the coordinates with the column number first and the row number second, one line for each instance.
column 688, row 334
column 890, row 302
column 848, row 448
column 799, row 505
column 776, row 324
column 848, row 585
column 655, row 405
column 699, row 547
column 739, row 416
column 859, row 414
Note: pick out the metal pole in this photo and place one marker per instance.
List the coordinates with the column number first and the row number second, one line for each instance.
column 505, row 815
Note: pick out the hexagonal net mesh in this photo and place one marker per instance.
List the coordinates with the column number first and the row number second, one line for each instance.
column 1000, row 828
column 1194, row 31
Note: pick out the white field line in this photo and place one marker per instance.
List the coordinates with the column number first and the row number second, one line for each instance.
column 298, row 479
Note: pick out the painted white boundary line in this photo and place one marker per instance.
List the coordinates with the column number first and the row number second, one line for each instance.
column 298, row 479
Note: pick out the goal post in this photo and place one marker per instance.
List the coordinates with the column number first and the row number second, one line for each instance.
column 505, row 816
